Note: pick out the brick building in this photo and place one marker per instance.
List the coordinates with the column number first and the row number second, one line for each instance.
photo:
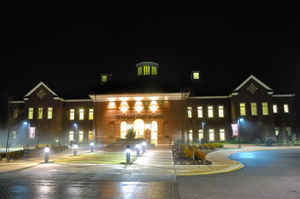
column 156, row 112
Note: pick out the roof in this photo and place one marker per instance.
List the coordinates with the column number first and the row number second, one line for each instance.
column 39, row 85
column 255, row 79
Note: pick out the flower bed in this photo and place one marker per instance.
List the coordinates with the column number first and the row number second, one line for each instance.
column 193, row 154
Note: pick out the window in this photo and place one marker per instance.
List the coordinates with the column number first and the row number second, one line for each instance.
column 265, row 108
column 196, row 75
column 14, row 135
column 91, row 114
column 242, row 109
column 211, row 135
column 190, row 136
column 253, row 109
column 91, row 136
column 200, row 111
column 104, row 78
column 189, row 112
column 140, row 71
column 222, row 135
column 286, row 108
column 201, row 135
column 40, row 113
column 276, row 131
column 50, row 113
column 80, row 137
column 16, row 113
column 71, row 136
column 221, row 111
column 275, row 108
column 147, row 70
column 72, row 114
column 123, row 130
column 81, row 114
column 154, row 70
column 30, row 113
column 210, row 111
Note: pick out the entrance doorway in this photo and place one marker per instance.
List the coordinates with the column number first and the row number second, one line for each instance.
column 139, row 126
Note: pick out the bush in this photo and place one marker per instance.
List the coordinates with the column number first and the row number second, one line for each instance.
column 199, row 155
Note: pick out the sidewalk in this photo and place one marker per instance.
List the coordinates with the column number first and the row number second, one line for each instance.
column 15, row 165
column 221, row 163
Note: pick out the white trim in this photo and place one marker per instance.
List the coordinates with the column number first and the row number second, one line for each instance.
column 145, row 96
column 78, row 100
column 58, row 98
column 209, row 97
column 16, row 102
column 284, row 95
column 37, row 86
column 257, row 80
column 26, row 98
column 270, row 93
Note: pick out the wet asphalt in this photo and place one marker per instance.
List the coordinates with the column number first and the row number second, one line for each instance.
column 268, row 174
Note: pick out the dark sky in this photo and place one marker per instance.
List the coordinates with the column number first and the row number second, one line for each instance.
column 70, row 53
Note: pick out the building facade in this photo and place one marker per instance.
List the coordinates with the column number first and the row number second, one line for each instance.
column 160, row 116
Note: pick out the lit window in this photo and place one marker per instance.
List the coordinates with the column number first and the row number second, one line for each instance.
column 201, row 135
column 40, row 113
column 211, row 135
column 190, row 136
column 286, row 108
column 91, row 136
column 200, row 111
column 139, row 106
column 50, row 113
column 210, row 111
column 72, row 114
column 276, row 131
column 91, row 114
column 81, row 114
column 71, row 136
column 196, row 75
column 147, row 70
column 222, row 135
column 30, row 113
column 140, row 71
column 80, row 138
column 154, row 70
column 16, row 113
column 221, row 111
column 275, row 108
column 14, row 135
column 265, row 108
column 104, row 78
column 123, row 130
column 253, row 109
column 189, row 112
column 154, row 129
column 242, row 109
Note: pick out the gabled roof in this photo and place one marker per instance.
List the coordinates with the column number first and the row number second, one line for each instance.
column 37, row 86
column 255, row 79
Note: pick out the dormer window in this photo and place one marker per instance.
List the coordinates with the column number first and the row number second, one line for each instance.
column 147, row 69
column 195, row 75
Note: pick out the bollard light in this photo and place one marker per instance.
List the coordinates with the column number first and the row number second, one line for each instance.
column 92, row 145
column 128, row 154
column 144, row 146
column 46, row 154
column 75, row 148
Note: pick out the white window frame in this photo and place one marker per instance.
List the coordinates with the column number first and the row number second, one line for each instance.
column 222, row 135
column 221, row 111
column 275, row 108
column 200, row 111
column 40, row 113
column 81, row 114
column 50, row 113
column 72, row 114
column 211, row 135
column 91, row 114
column 286, row 108
column 190, row 112
column 30, row 113
column 253, row 108
column 267, row 108
column 210, row 111
column 243, row 111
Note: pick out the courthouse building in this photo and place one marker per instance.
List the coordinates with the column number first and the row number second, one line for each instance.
column 156, row 112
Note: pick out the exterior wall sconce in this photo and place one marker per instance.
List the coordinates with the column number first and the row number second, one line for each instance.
column 139, row 106
column 153, row 106
column 124, row 107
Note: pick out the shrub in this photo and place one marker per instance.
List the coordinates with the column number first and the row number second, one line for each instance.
column 188, row 153
column 199, row 155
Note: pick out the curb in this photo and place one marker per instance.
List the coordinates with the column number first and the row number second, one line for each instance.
column 20, row 169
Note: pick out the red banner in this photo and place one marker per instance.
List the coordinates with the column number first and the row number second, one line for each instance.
column 235, row 129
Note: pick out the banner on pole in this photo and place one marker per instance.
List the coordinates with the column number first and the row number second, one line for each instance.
column 235, row 129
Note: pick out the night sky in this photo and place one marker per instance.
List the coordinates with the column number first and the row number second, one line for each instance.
column 70, row 54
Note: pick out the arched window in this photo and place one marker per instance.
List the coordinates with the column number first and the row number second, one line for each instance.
column 154, row 129
column 123, row 130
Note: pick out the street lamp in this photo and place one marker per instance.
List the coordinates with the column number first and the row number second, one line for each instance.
column 75, row 148
column 239, row 135
column 203, row 126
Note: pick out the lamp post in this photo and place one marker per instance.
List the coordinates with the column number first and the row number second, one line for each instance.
column 128, row 153
column 92, row 145
column 203, row 128
column 239, row 135
column 46, row 154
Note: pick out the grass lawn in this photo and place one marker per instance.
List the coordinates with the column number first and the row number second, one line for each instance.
column 97, row 158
